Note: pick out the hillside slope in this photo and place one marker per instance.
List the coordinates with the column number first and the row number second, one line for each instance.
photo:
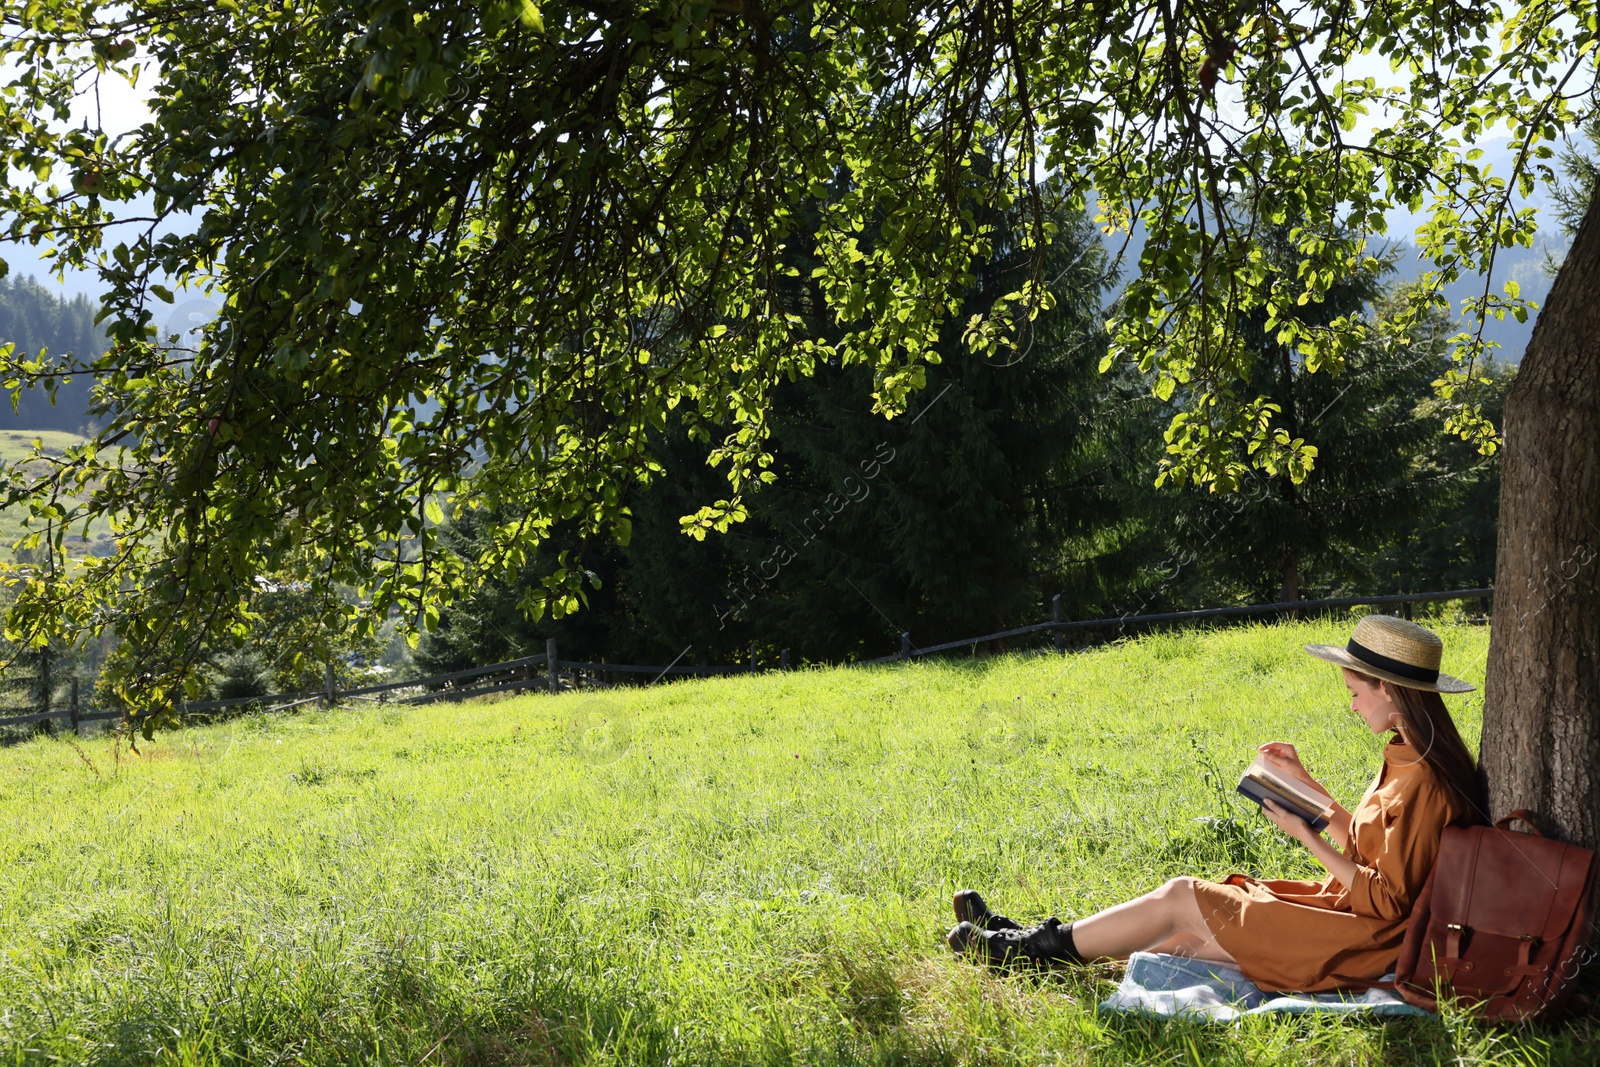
column 729, row 871
column 18, row 444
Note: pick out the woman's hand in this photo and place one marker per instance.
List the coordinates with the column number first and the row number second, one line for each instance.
column 1290, row 823
column 1342, row 867
column 1282, row 758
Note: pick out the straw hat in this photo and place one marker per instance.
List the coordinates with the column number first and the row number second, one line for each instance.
column 1396, row 651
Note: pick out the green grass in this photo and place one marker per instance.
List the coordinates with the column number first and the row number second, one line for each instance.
column 16, row 445
column 728, row 871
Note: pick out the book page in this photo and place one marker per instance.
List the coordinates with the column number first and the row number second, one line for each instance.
column 1293, row 787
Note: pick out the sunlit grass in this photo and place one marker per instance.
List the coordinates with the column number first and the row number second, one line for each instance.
column 17, row 445
column 742, row 870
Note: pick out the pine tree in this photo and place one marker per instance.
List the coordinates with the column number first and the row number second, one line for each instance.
column 946, row 522
column 33, row 318
column 1385, row 472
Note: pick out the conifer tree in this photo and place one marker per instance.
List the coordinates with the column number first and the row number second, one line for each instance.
column 946, row 522
column 32, row 319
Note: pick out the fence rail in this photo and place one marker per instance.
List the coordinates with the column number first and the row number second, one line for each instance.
column 1285, row 607
column 518, row 674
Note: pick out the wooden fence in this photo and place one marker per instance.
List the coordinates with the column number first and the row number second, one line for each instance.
column 1282, row 609
column 515, row 675
column 523, row 674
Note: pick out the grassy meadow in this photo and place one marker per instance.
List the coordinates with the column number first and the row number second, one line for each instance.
column 731, row 871
column 18, row 444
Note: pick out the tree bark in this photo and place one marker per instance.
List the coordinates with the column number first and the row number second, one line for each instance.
column 1541, row 719
column 1290, row 589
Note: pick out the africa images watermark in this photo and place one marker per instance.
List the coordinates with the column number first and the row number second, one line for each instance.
column 1213, row 525
column 852, row 489
column 1556, row 580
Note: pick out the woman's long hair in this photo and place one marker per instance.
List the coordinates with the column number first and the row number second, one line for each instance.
column 1426, row 725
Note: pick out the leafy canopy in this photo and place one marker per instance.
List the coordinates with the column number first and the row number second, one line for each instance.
column 470, row 253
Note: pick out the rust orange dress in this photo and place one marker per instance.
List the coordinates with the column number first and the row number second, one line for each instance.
column 1295, row 936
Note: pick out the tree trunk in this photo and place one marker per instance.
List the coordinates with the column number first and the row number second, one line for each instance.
column 1541, row 719
column 1290, row 589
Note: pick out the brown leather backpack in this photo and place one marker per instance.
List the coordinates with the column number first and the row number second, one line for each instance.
column 1501, row 923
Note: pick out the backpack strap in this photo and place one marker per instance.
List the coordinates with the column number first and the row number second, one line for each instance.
column 1455, row 922
column 1524, row 950
column 1525, row 815
column 1452, row 944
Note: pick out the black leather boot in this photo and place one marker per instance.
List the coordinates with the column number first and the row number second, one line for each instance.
column 970, row 908
column 1040, row 946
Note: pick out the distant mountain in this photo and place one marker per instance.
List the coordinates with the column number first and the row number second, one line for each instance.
column 31, row 317
column 1526, row 266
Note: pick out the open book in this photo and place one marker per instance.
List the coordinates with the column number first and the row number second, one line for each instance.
column 1308, row 802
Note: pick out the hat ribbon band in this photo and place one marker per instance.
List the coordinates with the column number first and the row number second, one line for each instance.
column 1393, row 666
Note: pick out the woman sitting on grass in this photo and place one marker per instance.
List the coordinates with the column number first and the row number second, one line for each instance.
column 1301, row 936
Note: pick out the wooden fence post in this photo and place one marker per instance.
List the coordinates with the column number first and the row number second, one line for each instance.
column 330, row 691
column 550, row 665
column 46, row 684
column 1055, row 616
column 783, row 659
column 752, row 655
column 905, row 645
column 72, row 708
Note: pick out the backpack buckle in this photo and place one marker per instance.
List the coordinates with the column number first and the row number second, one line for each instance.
column 1452, row 941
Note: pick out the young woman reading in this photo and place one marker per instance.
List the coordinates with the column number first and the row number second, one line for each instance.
column 1301, row 936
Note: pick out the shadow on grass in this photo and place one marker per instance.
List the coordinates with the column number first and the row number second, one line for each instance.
column 545, row 1010
column 567, row 1000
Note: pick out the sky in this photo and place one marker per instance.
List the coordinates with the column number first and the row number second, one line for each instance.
column 117, row 108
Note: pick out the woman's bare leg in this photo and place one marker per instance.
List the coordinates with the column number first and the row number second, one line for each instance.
column 1165, row 920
